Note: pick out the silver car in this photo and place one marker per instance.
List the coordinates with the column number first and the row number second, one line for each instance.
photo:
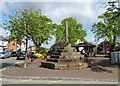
column 4, row 54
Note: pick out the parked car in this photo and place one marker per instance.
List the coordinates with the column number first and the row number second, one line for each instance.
column 13, row 54
column 20, row 55
column 5, row 54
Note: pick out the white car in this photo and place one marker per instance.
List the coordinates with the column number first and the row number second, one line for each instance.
column 4, row 54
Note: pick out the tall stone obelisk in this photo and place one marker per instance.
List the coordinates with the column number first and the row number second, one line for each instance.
column 66, row 32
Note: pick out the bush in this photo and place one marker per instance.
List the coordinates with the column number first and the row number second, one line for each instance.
column 38, row 55
column 41, row 50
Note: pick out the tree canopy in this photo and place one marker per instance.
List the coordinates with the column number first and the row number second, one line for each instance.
column 109, row 27
column 75, row 31
column 31, row 25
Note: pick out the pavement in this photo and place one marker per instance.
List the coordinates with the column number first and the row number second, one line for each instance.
column 103, row 73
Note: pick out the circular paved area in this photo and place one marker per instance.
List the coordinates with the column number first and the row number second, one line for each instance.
column 33, row 70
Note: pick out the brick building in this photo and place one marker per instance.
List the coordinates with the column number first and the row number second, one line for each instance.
column 12, row 46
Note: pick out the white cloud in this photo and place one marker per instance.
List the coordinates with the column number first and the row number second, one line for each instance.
column 0, row 7
column 81, row 11
column 3, row 32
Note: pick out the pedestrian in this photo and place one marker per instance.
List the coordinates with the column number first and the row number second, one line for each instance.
column 31, row 56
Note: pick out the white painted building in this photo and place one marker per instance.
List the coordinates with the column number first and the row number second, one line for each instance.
column 22, row 47
column 3, row 43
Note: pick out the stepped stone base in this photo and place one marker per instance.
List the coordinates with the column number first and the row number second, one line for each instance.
column 63, row 66
column 65, row 58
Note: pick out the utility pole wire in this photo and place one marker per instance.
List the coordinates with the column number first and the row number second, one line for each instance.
column 103, row 4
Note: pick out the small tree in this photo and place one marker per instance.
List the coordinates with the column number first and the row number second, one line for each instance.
column 28, row 24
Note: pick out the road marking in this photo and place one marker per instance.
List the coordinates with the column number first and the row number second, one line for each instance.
column 18, row 62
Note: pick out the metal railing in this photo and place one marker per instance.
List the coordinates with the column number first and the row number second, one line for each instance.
column 115, row 56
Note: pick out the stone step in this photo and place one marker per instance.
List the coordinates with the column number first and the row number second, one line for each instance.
column 57, row 56
column 69, row 68
column 47, row 64
column 57, row 53
column 65, row 60
column 57, row 66
column 53, row 59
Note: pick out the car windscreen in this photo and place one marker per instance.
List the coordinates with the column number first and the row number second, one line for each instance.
column 21, row 53
column 13, row 53
column 2, row 52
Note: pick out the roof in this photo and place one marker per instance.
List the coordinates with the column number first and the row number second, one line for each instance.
column 105, row 42
column 84, row 45
column 59, row 44
column 2, row 38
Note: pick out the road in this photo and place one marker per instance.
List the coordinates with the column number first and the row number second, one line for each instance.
column 8, row 62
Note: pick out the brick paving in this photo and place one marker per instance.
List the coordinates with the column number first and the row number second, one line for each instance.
column 33, row 70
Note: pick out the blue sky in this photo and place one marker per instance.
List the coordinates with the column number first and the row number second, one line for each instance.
column 84, row 11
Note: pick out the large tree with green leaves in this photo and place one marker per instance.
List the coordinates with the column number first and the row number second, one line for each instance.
column 109, row 27
column 75, row 31
column 29, row 25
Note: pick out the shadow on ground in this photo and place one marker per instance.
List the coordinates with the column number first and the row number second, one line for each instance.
column 100, row 66
column 100, row 69
column 4, row 65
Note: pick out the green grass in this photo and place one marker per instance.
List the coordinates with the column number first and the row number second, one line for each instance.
column 117, row 62
column 24, row 68
column 107, row 55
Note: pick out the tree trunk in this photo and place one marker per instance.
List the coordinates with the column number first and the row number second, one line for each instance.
column 25, row 62
column 20, row 46
column 112, row 47
column 113, row 43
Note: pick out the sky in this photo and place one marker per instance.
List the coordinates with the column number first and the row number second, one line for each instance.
column 84, row 11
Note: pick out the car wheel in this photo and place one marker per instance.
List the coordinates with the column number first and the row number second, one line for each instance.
column 4, row 57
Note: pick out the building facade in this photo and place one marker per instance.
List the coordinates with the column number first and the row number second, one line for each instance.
column 12, row 45
column 3, row 43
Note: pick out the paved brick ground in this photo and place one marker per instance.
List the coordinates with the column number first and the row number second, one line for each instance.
column 33, row 69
